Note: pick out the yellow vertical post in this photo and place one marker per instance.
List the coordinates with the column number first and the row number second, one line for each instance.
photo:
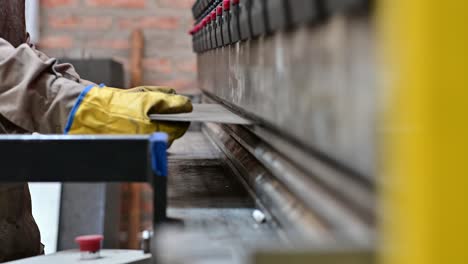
column 425, row 131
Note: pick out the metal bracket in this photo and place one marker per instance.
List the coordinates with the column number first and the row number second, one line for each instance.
column 278, row 13
column 227, row 21
column 235, row 27
column 304, row 11
column 245, row 24
column 259, row 18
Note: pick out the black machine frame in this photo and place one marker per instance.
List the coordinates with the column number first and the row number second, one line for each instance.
column 69, row 158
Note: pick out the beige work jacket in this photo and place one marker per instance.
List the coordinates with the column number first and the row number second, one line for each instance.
column 36, row 95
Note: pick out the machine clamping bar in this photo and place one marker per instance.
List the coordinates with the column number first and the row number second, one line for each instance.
column 65, row 158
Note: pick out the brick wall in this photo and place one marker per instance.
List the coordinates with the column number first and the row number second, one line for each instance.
column 101, row 29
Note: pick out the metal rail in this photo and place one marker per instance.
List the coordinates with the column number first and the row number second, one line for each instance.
column 61, row 158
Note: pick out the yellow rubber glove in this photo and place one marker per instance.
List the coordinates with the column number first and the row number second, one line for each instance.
column 114, row 111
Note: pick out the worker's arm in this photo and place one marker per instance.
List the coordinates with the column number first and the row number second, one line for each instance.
column 33, row 94
column 65, row 69
column 38, row 94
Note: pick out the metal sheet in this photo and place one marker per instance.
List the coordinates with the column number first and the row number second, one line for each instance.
column 107, row 257
column 204, row 113
column 315, row 255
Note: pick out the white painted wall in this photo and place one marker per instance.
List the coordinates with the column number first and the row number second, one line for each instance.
column 45, row 196
column 46, row 211
column 32, row 20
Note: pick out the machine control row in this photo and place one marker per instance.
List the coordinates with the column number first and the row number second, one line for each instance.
column 229, row 21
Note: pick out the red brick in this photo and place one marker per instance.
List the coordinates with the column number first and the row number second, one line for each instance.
column 117, row 3
column 119, row 44
column 157, row 65
column 96, row 22
column 56, row 42
column 73, row 22
column 58, row 3
column 188, row 66
column 63, row 22
column 184, row 4
column 150, row 22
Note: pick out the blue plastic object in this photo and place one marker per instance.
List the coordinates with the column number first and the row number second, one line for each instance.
column 158, row 143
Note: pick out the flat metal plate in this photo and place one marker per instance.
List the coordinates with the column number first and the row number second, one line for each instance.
column 327, row 255
column 107, row 257
column 215, row 113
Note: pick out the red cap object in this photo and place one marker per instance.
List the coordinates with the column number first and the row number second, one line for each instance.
column 208, row 19
column 226, row 5
column 219, row 10
column 204, row 22
column 91, row 243
column 213, row 15
column 235, row 2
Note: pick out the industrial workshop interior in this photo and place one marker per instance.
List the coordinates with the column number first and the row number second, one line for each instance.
column 233, row 131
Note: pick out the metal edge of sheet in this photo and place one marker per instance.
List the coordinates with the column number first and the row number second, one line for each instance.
column 215, row 113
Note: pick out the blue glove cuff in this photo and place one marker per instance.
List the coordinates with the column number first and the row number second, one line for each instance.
column 75, row 108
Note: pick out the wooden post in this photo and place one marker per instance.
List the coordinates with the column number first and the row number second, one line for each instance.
column 137, row 49
column 136, row 77
column 12, row 21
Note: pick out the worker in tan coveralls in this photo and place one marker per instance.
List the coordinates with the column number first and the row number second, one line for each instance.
column 37, row 94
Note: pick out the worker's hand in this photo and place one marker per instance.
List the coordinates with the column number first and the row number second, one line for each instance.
column 115, row 111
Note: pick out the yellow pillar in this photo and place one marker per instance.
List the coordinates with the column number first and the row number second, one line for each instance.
column 425, row 131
